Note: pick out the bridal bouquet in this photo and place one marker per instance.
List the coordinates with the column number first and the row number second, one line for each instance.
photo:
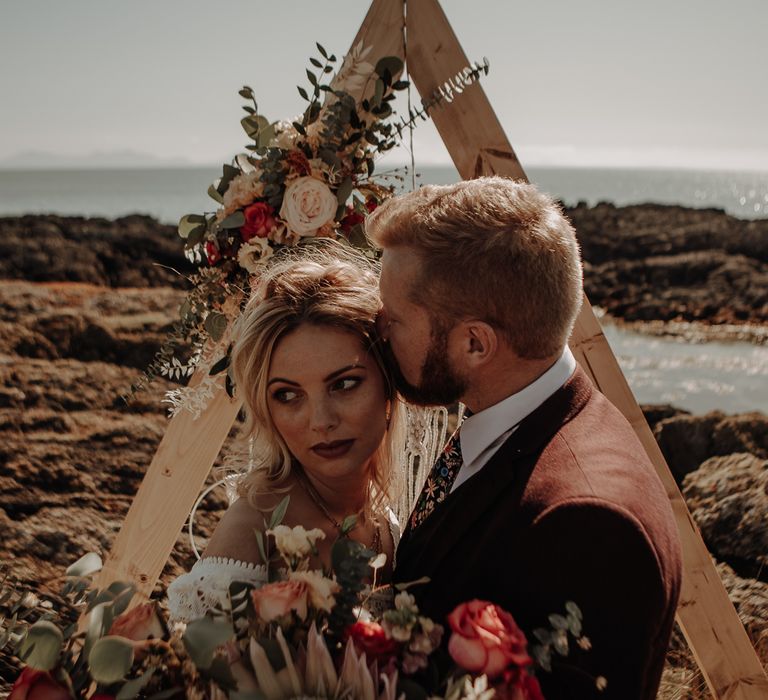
column 306, row 633
column 301, row 179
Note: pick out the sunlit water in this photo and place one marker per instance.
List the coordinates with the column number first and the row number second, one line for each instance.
column 699, row 377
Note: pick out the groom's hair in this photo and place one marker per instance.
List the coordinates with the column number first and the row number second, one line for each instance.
column 491, row 249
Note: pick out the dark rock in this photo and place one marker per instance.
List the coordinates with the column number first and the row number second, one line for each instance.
column 134, row 251
column 687, row 441
column 728, row 498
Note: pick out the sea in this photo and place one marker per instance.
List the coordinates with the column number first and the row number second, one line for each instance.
column 699, row 377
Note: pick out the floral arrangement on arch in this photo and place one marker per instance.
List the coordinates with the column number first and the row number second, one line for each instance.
column 308, row 178
column 306, row 633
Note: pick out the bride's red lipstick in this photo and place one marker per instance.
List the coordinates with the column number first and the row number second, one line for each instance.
column 332, row 450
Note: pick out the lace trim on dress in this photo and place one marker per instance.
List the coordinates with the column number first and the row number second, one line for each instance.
column 206, row 586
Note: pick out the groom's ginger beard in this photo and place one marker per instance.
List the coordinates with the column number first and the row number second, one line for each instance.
column 440, row 384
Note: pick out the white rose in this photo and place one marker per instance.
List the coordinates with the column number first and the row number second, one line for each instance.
column 254, row 254
column 308, row 204
column 321, row 589
column 295, row 542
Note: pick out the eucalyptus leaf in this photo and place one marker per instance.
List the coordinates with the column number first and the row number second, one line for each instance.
column 344, row 191
column 219, row 366
column 573, row 609
column 558, row 622
column 234, row 220
column 134, row 686
column 260, row 544
column 357, row 237
column 216, row 325
column 110, row 659
column 221, row 673
column 120, row 605
column 266, row 135
column 322, row 50
column 391, row 65
column 42, row 645
column 378, row 92
column 560, row 642
column 408, row 584
column 203, row 636
column 348, row 524
column 187, row 224
column 279, row 513
column 229, row 173
column 213, row 193
column 86, row 565
column 195, row 237
column 315, row 63
column 302, row 92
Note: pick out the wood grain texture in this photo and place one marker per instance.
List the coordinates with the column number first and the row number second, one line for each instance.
column 478, row 145
column 189, row 447
column 165, row 498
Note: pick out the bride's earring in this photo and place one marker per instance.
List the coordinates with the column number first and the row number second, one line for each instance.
column 388, row 412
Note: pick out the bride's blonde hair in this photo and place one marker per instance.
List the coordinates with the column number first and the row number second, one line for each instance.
column 324, row 284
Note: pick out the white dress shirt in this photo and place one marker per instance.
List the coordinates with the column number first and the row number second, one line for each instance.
column 483, row 433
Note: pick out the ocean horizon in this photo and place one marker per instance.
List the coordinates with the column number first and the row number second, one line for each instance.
column 167, row 193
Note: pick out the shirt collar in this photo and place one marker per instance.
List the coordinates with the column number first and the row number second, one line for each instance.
column 482, row 429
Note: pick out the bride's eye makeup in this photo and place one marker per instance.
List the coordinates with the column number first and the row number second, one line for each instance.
column 284, row 395
column 346, row 383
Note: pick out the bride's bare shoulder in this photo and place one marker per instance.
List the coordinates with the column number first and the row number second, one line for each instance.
column 234, row 536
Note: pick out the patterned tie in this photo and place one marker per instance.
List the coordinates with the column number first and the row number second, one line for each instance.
column 439, row 482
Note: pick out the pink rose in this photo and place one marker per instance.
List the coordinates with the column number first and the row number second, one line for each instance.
column 277, row 599
column 308, row 204
column 138, row 624
column 38, row 685
column 486, row 639
column 259, row 221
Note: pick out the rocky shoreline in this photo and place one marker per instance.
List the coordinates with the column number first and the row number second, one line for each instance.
column 84, row 307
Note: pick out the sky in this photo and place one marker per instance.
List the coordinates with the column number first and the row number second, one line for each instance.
column 659, row 83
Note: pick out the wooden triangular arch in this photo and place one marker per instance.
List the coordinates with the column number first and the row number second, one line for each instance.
column 477, row 144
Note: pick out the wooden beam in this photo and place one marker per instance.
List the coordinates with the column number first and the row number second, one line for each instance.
column 477, row 143
column 165, row 498
column 190, row 446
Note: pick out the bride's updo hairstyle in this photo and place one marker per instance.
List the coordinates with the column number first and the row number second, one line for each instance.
column 324, row 284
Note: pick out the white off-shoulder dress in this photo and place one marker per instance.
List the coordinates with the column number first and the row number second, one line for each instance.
column 206, row 585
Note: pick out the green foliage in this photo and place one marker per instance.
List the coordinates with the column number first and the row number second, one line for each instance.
column 555, row 638
column 86, row 565
column 202, row 637
column 110, row 659
column 350, row 561
column 279, row 513
column 42, row 646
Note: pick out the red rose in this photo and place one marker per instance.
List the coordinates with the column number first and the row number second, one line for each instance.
column 212, row 252
column 351, row 219
column 259, row 221
column 371, row 204
column 370, row 637
column 486, row 639
column 518, row 685
column 38, row 685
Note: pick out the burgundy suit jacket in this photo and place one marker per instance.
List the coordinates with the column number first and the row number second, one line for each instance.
column 569, row 508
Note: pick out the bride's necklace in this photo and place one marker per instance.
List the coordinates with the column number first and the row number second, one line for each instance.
column 317, row 499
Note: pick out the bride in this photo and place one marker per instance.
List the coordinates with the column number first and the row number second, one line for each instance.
column 321, row 422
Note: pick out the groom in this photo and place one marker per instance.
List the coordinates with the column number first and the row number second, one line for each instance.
column 545, row 494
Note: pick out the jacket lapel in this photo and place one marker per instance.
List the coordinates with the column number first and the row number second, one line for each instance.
column 504, row 476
